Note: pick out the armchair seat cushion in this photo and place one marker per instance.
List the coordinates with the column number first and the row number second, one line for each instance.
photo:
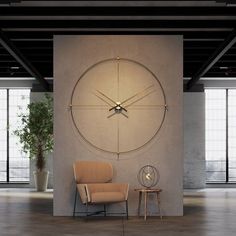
column 107, row 197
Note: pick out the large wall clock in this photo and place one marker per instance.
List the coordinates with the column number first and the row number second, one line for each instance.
column 118, row 105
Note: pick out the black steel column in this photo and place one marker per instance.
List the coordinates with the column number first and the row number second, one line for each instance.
column 227, row 139
column 7, row 135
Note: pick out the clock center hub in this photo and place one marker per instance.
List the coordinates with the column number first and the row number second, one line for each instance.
column 118, row 107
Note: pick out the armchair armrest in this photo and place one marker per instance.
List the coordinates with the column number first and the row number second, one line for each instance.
column 84, row 193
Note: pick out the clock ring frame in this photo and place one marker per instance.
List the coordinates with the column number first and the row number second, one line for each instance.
column 127, row 60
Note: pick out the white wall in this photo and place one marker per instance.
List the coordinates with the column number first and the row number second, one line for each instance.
column 164, row 56
column 194, row 140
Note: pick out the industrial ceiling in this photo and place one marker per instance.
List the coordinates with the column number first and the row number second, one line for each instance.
column 27, row 29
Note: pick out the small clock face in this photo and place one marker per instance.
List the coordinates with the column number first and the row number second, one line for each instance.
column 118, row 105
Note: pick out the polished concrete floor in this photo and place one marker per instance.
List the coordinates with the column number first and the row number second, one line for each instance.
column 207, row 212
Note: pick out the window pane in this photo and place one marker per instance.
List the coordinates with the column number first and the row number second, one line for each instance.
column 18, row 160
column 232, row 134
column 215, row 135
column 3, row 135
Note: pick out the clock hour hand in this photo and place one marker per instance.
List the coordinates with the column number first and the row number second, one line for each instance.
column 105, row 96
column 101, row 98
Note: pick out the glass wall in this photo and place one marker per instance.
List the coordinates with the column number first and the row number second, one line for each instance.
column 220, row 135
column 14, row 163
column 3, row 135
column 232, row 135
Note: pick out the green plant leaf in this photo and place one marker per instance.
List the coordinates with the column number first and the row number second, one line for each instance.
column 36, row 131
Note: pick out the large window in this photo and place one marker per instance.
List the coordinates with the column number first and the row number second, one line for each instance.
column 14, row 164
column 221, row 135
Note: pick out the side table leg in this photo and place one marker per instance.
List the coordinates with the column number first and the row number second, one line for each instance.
column 159, row 204
column 145, row 205
column 139, row 202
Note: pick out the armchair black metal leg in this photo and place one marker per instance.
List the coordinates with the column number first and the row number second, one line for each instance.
column 127, row 211
column 87, row 209
column 105, row 210
column 75, row 202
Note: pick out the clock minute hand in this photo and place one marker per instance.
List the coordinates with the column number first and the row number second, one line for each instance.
column 140, row 98
column 137, row 94
column 103, row 100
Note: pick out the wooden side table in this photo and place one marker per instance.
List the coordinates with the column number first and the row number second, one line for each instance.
column 146, row 191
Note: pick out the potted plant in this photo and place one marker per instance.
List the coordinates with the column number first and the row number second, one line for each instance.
column 36, row 135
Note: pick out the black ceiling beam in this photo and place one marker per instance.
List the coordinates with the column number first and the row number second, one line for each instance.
column 119, row 11
column 36, row 33
column 213, row 75
column 14, row 75
column 14, row 62
column 33, row 59
column 19, row 57
column 20, row 44
column 222, row 75
column 226, row 1
column 39, row 49
column 107, row 0
column 225, row 59
column 227, row 63
column 201, row 44
column 116, row 0
column 9, row 1
column 96, row 24
column 218, row 53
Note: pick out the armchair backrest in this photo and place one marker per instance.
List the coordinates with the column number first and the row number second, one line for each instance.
column 92, row 172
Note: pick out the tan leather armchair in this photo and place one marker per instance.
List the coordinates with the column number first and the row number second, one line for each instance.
column 93, row 183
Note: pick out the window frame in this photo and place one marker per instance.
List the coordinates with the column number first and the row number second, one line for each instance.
column 8, row 141
column 227, row 181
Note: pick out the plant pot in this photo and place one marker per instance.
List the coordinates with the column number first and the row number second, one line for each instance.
column 41, row 180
